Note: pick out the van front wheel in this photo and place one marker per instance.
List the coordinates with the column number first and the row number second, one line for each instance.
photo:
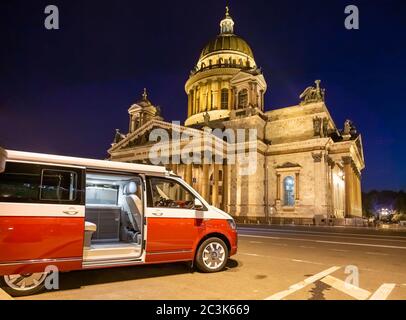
column 212, row 255
column 19, row 285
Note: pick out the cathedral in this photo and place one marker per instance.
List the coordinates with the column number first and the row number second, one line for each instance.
column 307, row 169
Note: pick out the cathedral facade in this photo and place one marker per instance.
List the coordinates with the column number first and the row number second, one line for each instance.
column 306, row 167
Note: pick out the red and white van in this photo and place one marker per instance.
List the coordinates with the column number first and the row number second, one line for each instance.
column 75, row 213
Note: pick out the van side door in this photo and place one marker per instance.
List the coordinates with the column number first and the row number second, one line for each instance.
column 173, row 224
column 41, row 217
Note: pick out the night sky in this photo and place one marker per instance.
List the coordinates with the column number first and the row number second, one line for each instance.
column 66, row 91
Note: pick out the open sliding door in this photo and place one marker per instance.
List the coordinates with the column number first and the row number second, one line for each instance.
column 41, row 218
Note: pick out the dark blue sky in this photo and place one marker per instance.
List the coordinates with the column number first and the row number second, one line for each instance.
column 66, row 91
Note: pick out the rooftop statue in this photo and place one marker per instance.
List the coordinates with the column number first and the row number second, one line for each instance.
column 313, row 94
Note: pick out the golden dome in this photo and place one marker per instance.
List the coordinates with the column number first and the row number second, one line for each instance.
column 227, row 42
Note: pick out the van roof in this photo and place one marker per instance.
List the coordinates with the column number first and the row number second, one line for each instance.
column 85, row 162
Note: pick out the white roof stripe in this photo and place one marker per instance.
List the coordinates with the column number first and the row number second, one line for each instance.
column 84, row 162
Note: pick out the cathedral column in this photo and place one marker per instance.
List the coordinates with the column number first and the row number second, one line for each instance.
column 218, row 94
column 189, row 104
column 215, row 194
column 278, row 187
column 225, row 187
column 230, row 98
column 235, row 98
column 297, row 186
column 205, row 182
column 210, row 95
column 188, row 174
column 348, row 179
column 195, row 101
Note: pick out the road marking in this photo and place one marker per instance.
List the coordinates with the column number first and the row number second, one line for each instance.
column 256, row 242
column 348, row 288
column 302, row 284
column 305, row 261
column 251, row 254
column 377, row 253
column 4, row 295
column 307, row 247
column 327, row 233
column 383, row 291
column 328, row 242
column 338, row 250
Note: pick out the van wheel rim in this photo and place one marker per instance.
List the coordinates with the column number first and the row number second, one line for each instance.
column 214, row 255
column 25, row 282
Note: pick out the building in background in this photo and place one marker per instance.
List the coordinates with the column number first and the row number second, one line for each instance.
column 307, row 168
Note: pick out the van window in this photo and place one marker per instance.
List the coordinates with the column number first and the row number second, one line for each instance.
column 20, row 182
column 168, row 193
column 102, row 194
column 58, row 185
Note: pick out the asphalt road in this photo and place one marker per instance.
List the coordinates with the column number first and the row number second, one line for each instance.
column 272, row 263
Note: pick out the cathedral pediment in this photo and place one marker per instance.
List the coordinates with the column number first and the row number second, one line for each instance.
column 141, row 136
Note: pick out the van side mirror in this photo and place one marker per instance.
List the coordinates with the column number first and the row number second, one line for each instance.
column 198, row 205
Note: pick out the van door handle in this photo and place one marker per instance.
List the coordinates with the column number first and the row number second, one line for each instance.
column 157, row 213
column 71, row 212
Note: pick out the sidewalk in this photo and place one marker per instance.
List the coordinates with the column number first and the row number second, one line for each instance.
column 344, row 229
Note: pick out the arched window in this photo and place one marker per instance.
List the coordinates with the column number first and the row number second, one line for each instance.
column 243, row 98
column 224, row 99
column 289, row 192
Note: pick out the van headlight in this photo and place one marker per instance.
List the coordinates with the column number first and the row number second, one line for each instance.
column 232, row 224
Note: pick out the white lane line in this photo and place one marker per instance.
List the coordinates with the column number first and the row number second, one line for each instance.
column 325, row 241
column 302, row 284
column 327, row 233
column 383, row 291
column 307, row 247
column 256, row 242
column 305, row 261
column 348, row 288
column 5, row 296
column 377, row 253
column 338, row 250
column 251, row 254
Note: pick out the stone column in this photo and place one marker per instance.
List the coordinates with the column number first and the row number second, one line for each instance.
column 214, row 196
column 209, row 96
column 188, row 174
column 225, row 188
column 218, row 94
column 297, row 190
column 231, row 106
column 189, row 104
column 348, row 186
column 194, row 111
column 278, row 187
column 205, row 182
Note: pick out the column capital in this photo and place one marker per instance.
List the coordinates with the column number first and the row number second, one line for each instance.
column 317, row 156
column 347, row 160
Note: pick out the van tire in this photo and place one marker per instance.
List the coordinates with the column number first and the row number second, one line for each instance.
column 212, row 255
column 21, row 293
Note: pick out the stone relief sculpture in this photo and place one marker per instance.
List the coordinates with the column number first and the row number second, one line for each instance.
column 317, row 126
column 118, row 136
column 312, row 94
column 347, row 127
column 206, row 118
column 320, row 127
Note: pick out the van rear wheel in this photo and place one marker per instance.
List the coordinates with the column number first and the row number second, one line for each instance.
column 19, row 285
column 212, row 255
